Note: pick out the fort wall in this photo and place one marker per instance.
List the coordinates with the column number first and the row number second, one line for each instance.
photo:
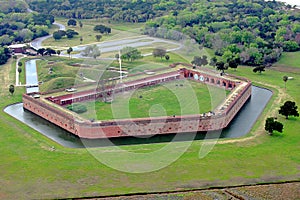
column 219, row 119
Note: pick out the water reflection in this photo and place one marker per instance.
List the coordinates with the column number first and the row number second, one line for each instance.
column 31, row 76
column 240, row 126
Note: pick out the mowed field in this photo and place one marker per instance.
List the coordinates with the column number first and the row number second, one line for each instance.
column 180, row 97
column 34, row 167
column 89, row 35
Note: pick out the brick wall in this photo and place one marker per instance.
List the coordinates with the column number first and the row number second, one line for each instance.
column 144, row 126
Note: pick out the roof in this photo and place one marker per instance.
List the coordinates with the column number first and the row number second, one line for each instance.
column 17, row 45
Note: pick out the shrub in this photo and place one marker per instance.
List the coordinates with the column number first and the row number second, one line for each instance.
column 78, row 108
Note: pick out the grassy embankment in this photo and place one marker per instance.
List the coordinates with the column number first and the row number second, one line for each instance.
column 31, row 169
column 65, row 74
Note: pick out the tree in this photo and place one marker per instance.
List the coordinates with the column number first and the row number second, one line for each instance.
column 259, row 69
column 70, row 33
column 290, row 46
column 20, row 64
column 72, row 22
column 285, row 79
column 272, row 125
column 159, row 52
column 57, row 35
column 102, row 29
column 200, row 60
column 19, row 70
column 58, row 52
column 80, row 24
column 98, row 37
column 11, row 89
column 130, row 54
column 81, row 39
column 221, row 66
column 4, row 55
column 41, row 51
column 167, row 57
column 233, row 63
column 213, row 61
column 49, row 51
column 289, row 108
column 91, row 51
column 69, row 51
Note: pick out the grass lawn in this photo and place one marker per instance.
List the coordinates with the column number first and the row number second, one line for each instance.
column 181, row 97
column 290, row 59
column 31, row 169
column 89, row 35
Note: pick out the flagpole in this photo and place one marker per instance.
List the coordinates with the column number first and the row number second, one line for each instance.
column 120, row 64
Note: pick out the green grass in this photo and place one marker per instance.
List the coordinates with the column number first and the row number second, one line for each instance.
column 63, row 69
column 272, row 77
column 148, row 63
column 290, row 59
column 30, row 169
column 88, row 34
column 174, row 98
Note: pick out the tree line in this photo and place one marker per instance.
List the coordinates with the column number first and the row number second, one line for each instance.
column 17, row 25
column 255, row 32
column 129, row 11
column 23, row 27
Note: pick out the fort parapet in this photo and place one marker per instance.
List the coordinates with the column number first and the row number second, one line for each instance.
column 51, row 108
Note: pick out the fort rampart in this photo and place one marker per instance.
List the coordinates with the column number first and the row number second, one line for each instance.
column 84, row 128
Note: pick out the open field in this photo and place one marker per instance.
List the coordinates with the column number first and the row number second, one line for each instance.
column 174, row 98
column 31, row 169
column 290, row 59
column 88, row 34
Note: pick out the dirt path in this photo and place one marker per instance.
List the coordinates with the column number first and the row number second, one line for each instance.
column 284, row 68
column 281, row 191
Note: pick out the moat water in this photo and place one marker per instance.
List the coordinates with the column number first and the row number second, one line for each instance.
column 239, row 126
column 31, row 76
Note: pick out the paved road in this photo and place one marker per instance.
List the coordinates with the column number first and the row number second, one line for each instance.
column 37, row 43
column 116, row 45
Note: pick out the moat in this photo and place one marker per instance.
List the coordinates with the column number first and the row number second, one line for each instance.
column 238, row 127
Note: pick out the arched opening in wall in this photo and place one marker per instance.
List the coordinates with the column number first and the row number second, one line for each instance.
column 206, row 79
column 191, row 75
column 212, row 80
column 224, row 83
column 218, row 82
column 230, row 85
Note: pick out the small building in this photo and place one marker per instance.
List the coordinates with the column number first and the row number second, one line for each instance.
column 17, row 48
